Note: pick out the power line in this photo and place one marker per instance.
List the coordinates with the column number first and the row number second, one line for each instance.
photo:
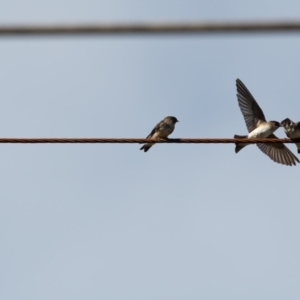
column 196, row 27
column 141, row 141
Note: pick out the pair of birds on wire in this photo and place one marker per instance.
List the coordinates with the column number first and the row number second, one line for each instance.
column 256, row 124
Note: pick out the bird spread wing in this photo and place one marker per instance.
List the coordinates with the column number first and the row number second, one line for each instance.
column 251, row 111
column 278, row 152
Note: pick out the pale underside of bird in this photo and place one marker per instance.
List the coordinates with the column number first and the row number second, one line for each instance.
column 258, row 127
column 161, row 131
column 292, row 130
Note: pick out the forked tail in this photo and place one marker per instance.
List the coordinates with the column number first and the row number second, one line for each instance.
column 239, row 146
column 146, row 147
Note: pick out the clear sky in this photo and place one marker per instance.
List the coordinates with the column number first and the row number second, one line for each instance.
column 178, row 222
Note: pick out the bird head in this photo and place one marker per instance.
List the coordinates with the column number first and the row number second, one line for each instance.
column 275, row 124
column 287, row 123
column 171, row 119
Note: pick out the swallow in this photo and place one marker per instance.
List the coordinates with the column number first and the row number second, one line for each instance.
column 292, row 130
column 258, row 127
column 161, row 131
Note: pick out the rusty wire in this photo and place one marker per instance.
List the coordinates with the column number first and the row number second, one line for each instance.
column 140, row 140
column 196, row 27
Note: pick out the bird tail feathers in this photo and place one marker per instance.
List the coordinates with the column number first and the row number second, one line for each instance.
column 146, row 147
column 239, row 146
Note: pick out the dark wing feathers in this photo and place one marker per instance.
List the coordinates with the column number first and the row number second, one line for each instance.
column 278, row 152
column 155, row 129
column 250, row 109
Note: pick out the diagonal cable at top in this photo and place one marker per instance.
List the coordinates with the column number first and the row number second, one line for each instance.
column 148, row 28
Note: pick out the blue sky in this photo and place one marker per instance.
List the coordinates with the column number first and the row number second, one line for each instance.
column 179, row 222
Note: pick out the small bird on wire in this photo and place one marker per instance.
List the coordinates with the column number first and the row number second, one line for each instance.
column 161, row 131
column 258, row 127
column 292, row 130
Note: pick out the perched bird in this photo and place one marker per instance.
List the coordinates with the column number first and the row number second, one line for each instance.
column 258, row 127
column 292, row 130
column 161, row 131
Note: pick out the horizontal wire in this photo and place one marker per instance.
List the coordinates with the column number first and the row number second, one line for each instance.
column 151, row 28
column 142, row 141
